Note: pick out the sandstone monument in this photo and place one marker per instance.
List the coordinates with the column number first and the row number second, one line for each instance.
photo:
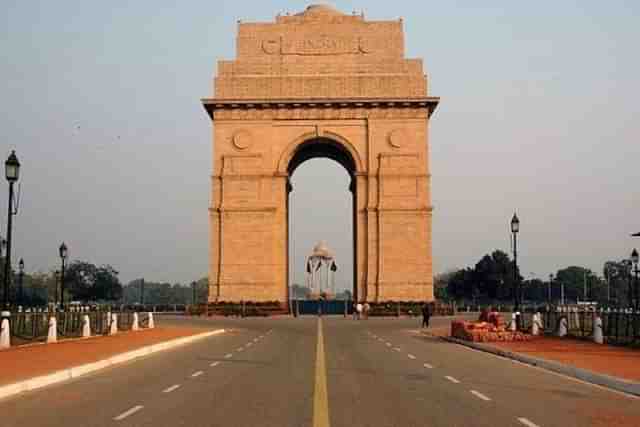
column 320, row 83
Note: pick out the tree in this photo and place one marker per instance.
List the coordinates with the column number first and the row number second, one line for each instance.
column 86, row 282
column 576, row 279
column 618, row 274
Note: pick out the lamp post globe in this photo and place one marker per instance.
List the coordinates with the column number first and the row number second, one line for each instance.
column 515, row 223
column 63, row 257
column 12, row 173
column 12, row 167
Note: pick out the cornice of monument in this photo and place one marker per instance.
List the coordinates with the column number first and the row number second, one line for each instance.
column 213, row 104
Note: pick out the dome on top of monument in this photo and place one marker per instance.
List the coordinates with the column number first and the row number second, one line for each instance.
column 321, row 250
column 321, row 10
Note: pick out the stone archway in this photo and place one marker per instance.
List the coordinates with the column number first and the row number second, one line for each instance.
column 336, row 86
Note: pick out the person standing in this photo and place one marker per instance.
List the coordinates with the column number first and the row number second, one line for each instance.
column 366, row 309
column 359, row 310
column 426, row 315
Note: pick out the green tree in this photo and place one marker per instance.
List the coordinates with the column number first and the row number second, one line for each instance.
column 575, row 280
column 86, row 282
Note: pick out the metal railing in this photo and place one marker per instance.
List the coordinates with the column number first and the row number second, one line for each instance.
column 31, row 326
column 619, row 326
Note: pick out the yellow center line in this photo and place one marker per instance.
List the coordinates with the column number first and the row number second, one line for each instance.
column 320, row 399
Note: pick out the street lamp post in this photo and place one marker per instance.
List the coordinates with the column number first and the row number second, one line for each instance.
column 634, row 260
column 56, row 278
column 515, row 228
column 193, row 289
column 20, row 281
column 12, row 173
column 549, row 289
column 63, row 257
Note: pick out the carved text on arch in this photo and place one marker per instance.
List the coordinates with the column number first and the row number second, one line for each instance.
column 314, row 46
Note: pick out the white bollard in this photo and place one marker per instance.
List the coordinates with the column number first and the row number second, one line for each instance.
column 86, row 326
column 598, row 337
column 5, row 331
column 114, row 324
column 52, row 336
column 512, row 325
column 535, row 324
column 134, row 325
column 151, row 325
column 561, row 330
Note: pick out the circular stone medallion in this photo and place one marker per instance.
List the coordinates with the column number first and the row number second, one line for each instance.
column 242, row 140
column 397, row 137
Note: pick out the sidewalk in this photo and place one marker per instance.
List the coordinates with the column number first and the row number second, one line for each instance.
column 26, row 362
column 620, row 362
column 606, row 365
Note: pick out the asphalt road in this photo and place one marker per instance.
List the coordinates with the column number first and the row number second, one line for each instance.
column 284, row 372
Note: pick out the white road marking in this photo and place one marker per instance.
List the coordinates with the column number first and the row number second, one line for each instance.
column 228, row 356
column 480, row 395
column 125, row 414
column 397, row 349
column 172, row 388
column 214, row 364
column 527, row 422
column 426, row 365
column 240, row 349
column 197, row 374
column 411, row 356
column 388, row 344
column 249, row 344
column 255, row 339
column 453, row 380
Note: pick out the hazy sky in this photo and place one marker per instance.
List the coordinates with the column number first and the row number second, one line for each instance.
column 539, row 113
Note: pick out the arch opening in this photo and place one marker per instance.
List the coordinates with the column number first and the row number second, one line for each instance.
column 297, row 248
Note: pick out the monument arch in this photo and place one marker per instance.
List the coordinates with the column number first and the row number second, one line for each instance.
column 320, row 84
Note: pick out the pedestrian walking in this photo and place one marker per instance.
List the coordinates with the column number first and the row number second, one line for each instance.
column 366, row 309
column 359, row 310
column 426, row 315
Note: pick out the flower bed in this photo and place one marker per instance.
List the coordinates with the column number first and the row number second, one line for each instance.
column 492, row 330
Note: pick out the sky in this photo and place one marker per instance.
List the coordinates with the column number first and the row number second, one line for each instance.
column 539, row 114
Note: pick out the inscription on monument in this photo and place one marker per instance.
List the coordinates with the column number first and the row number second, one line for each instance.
column 321, row 45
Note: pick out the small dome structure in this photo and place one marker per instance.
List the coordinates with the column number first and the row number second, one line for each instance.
column 320, row 10
column 321, row 250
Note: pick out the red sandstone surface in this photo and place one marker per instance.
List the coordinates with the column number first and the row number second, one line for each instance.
column 606, row 359
column 21, row 363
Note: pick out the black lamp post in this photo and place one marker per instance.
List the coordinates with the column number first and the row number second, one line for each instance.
column 193, row 288
column 63, row 257
column 55, row 286
column 549, row 290
column 515, row 228
column 20, row 279
column 634, row 260
column 12, row 173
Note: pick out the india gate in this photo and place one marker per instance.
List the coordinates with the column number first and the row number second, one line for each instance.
column 320, row 83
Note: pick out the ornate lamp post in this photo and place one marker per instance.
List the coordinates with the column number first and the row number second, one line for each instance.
column 20, row 280
column 549, row 290
column 515, row 228
column 12, row 173
column 634, row 260
column 63, row 257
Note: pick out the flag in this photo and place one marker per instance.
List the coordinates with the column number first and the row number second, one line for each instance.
column 334, row 267
column 308, row 266
column 319, row 265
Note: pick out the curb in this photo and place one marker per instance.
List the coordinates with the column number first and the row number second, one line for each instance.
column 628, row 387
column 78, row 371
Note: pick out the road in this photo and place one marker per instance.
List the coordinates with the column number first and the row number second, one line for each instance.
column 312, row 372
